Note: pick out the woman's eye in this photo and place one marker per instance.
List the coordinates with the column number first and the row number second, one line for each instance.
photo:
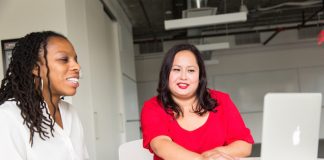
column 191, row 70
column 175, row 69
column 64, row 59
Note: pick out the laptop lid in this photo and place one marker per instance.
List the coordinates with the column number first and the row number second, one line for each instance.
column 291, row 123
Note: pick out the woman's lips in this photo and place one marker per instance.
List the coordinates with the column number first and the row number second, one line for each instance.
column 183, row 85
column 74, row 81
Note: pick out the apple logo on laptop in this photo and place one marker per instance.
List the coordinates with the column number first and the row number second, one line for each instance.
column 296, row 136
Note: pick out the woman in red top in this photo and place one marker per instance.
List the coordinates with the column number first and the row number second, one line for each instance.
column 187, row 121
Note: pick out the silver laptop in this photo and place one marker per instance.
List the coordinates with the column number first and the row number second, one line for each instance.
column 291, row 123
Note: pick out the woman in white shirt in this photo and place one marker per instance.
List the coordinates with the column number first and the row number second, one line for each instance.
column 35, row 124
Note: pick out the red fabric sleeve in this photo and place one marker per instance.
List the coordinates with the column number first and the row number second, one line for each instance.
column 154, row 121
column 236, row 129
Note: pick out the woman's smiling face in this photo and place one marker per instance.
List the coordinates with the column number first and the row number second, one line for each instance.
column 63, row 68
column 184, row 75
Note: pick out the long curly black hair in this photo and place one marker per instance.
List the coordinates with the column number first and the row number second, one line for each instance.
column 205, row 101
column 20, row 84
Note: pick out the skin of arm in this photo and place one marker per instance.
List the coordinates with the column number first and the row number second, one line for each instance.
column 237, row 148
column 165, row 148
column 168, row 150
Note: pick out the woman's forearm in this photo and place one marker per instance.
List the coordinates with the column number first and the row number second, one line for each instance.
column 237, row 148
column 165, row 148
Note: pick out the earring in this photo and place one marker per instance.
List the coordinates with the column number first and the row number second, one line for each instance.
column 41, row 83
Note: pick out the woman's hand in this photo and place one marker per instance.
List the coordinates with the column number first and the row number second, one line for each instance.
column 237, row 148
column 214, row 154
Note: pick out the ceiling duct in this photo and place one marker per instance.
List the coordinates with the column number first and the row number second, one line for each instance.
column 199, row 12
column 198, row 8
column 201, row 15
column 197, row 3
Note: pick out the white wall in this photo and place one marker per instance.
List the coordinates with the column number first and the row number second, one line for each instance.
column 248, row 72
column 106, row 84
column 129, row 112
column 78, row 35
column 20, row 17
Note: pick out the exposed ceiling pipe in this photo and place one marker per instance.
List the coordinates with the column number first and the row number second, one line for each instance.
column 310, row 17
column 306, row 3
column 229, row 33
column 257, row 13
column 273, row 35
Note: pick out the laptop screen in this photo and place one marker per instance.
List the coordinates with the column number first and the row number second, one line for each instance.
column 291, row 123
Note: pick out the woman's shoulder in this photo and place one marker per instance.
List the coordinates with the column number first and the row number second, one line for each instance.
column 10, row 115
column 8, row 105
column 10, row 108
column 153, row 101
column 14, row 134
column 217, row 94
column 153, row 110
column 220, row 96
column 152, row 104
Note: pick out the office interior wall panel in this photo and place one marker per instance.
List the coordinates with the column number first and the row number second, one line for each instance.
column 134, row 128
column 106, row 80
column 146, row 90
column 126, row 49
column 248, row 89
column 312, row 79
column 148, row 69
column 130, row 102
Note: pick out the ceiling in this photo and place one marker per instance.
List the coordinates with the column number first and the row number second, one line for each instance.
column 147, row 16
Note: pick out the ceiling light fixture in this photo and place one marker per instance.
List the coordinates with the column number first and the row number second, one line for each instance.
column 211, row 62
column 212, row 46
column 205, row 20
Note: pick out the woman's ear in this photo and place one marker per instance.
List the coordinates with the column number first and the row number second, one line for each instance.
column 35, row 70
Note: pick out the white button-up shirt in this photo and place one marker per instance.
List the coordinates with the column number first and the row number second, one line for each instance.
column 67, row 143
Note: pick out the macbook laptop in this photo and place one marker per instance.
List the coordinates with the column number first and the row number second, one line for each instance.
column 291, row 123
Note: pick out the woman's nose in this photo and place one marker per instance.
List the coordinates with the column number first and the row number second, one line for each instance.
column 183, row 75
column 76, row 66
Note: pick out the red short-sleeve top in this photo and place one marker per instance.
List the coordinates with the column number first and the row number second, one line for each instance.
column 221, row 128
